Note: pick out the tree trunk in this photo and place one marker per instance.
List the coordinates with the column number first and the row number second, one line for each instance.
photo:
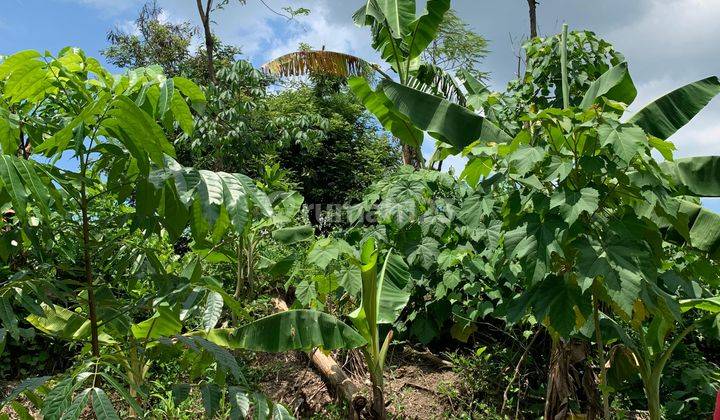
column 209, row 41
column 411, row 156
column 532, row 6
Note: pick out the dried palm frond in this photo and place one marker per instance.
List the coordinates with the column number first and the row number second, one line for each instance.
column 305, row 63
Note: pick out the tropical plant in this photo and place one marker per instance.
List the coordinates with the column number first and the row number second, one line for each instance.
column 381, row 300
column 579, row 177
column 120, row 296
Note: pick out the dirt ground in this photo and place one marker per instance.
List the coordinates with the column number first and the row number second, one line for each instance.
column 417, row 385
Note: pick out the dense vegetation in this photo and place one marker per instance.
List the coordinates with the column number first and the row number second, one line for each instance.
column 148, row 219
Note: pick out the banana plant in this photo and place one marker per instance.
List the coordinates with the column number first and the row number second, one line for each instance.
column 646, row 352
column 381, row 302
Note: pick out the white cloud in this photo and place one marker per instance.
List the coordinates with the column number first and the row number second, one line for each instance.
column 672, row 38
column 320, row 30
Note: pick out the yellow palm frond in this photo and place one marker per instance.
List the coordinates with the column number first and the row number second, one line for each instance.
column 304, row 63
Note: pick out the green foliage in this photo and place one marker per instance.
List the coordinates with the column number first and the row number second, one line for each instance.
column 166, row 43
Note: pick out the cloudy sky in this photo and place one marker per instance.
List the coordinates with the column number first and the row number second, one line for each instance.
column 668, row 43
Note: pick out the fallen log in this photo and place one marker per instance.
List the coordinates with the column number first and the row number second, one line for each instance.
column 333, row 374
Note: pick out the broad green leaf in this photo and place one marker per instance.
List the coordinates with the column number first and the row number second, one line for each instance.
column 167, row 88
column 424, row 29
column 423, row 253
column 699, row 175
column 182, row 114
column 573, row 203
column 555, row 301
column 441, row 118
column 211, row 396
column 626, row 140
column 393, row 299
column 9, row 132
column 137, row 131
column 102, row 406
column 476, row 169
column 58, row 399
column 379, row 105
column 262, row 407
column 213, row 310
column 323, row 252
column 7, row 316
column 666, row 115
column 164, row 323
column 279, row 412
column 29, row 77
column 615, row 84
column 239, row 403
column 11, row 182
column 180, row 393
column 224, row 358
column 191, row 91
column 711, row 305
column 65, row 324
column 77, row 406
column 296, row 330
column 398, row 15
column 620, row 268
column 292, row 235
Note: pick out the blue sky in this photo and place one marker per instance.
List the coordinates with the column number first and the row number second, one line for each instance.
column 668, row 43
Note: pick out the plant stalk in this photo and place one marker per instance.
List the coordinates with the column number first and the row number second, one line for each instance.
column 86, row 259
column 564, row 68
column 601, row 356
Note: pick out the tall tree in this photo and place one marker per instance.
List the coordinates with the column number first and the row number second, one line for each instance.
column 159, row 41
column 532, row 8
column 205, row 10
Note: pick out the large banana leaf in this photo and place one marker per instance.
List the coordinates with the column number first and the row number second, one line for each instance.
column 296, row 330
column 424, row 29
column 304, row 63
column 379, row 105
column 448, row 122
column 703, row 229
column 164, row 323
column 398, row 14
column 615, row 84
column 65, row 324
column 291, row 235
column 666, row 115
column 436, row 81
column 699, row 175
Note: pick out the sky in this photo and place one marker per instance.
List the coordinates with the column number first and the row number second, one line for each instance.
column 668, row 43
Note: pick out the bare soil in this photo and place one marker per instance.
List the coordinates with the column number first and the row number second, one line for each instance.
column 417, row 386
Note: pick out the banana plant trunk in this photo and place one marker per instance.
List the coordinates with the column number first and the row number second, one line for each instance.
column 378, row 403
column 652, row 392
column 411, row 156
